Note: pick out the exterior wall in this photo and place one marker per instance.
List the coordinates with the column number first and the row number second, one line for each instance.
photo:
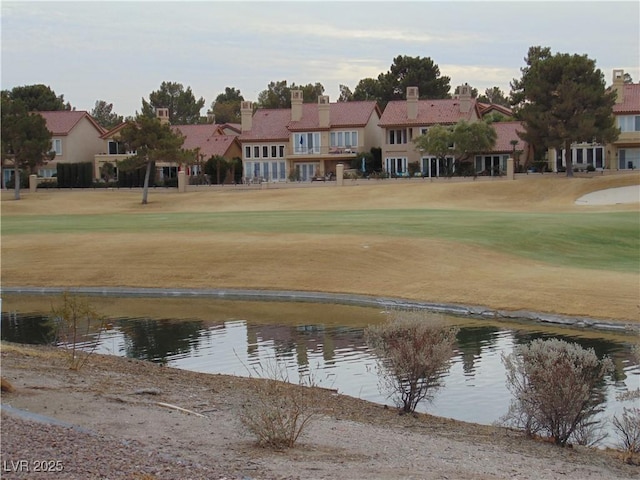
column 81, row 144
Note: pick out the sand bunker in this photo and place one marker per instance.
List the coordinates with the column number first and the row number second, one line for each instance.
column 611, row 196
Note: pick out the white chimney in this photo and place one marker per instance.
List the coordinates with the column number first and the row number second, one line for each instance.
column 412, row 103
column 246, row 116
column 296, row 105
column 324, row 111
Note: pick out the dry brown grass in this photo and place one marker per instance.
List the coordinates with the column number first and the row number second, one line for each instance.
column 434, row 271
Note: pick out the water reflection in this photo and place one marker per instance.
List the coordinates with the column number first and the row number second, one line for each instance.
column 337, row 356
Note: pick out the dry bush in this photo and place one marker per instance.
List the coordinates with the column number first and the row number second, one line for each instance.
column 76, row 322
column 627, row 427
column 555, row 385
column 414, row 350
column 278, row 412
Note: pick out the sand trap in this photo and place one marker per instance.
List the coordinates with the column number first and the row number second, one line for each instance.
column 611, row 196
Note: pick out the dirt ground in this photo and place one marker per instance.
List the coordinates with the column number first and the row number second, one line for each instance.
column 126, row 434
column 343, row 263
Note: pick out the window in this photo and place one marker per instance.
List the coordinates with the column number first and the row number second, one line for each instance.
column 256, row 152
column 247, row 152
column 274, row 151
column 265, row 152
column 281, row 151
column 396, row 166
column 305, row 143
column 344, row 139
column 56, row 146
column 424, row 130
column 629, row 123
column 397, row 137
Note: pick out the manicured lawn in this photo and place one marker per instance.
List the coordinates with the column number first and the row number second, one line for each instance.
column 604, row 240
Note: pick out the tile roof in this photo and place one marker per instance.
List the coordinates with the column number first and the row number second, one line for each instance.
column 276, row 124
column 61, row 122
column 430, row 112
column 486, row 108
column 631, row 100
column 341, row 114
column 205, row 137
column 507, row 131
column 269, row 124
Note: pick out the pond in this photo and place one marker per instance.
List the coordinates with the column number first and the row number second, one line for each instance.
column 320, row 340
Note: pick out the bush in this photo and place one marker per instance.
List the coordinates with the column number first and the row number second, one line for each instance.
column 555, row 385
column 627, row 427
column 76, row 322
column 278, row 412
column 414, row 349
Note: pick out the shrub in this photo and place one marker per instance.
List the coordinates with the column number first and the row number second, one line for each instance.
column 627, row 427
column 278, row 412
column 414, row 349
column 76, row 322
column 555, row 388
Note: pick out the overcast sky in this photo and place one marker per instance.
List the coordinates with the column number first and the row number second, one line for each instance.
column 121, row 51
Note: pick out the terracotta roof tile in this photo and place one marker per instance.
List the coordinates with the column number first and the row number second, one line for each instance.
column 631, row 101
column 507, row 131
column 205, row 137
column 61, row 122
column 269, row 124
column 430, row 112
column 341, row 114
column 276, row 124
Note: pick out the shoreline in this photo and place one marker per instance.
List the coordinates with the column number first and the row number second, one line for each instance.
column 474, row 311
column 125, row 432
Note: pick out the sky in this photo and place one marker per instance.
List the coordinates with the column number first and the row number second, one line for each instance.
column 122, row 51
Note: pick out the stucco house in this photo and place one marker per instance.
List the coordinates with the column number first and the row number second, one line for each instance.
column 405, row 120
column 76, row 138
column 209, row 139
column 307, row 140
column 624, row 153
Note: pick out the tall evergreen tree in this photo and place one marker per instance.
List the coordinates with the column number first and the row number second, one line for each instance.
column 226, row 106
column 26, row 141
column 104, row 116
column 38, row 98
column 562, row 99
column 152, row 141
column 183, row 107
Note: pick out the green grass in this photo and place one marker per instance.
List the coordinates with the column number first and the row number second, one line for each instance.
column 608, row 241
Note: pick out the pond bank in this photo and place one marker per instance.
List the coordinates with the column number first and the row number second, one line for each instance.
column 475, row 311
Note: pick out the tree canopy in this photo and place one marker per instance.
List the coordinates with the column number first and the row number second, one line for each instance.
column 462, row 141
column 38, row 98
column 152, row 141
column 405, row 71
column 226, row 106
column 278, row 94
column 495, row 96
column 563, row 99
column 104, row 116
column 183, row 107
column 25, row 138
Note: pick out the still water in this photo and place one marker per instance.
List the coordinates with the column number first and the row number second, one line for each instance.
column 327, row 343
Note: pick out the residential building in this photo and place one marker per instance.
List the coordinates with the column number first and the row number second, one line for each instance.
column 624, row 153
column 308, row 140
column 209, row 139
column 76, row 138
column 404, row 120
column 508, row 145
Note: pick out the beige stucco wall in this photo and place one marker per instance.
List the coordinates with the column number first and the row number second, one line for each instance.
column 81, row 144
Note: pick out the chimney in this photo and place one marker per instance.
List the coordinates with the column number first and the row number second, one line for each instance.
column 412, row 103
column 464, row 96
column 246, row 116
column 323, row 111
column 296, row 105
column 618, row 85
column 211, row 117
column 163, row 115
